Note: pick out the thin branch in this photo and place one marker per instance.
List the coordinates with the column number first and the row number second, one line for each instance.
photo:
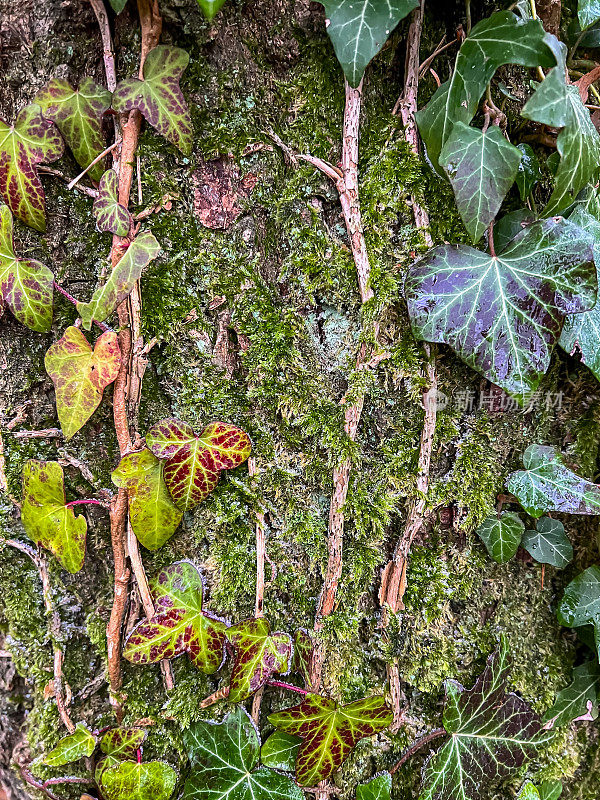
column 223, row 692
column 108, row 54
column 417, row 746
column 87, row 502
column 73, row 300
column 118, row 520
column 93, row 193
column 288, row 686
column 102, row 155
column 260, row 550
column 29, row 779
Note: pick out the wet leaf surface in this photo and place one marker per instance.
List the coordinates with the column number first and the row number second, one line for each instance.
column 575, row 700
column 548, row 544
column 501, row 535
column 280, row 751
column 580, row 604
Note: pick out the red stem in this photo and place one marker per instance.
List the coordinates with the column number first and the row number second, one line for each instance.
column 417, row 746
column 138, row 754
column 288, row 686
column 104, row 328
column 89, row 502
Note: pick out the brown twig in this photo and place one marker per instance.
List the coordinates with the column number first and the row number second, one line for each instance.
column 118, row 520
column 260, row 550
column 31, row 781
column 102, row 155
column 93, row 193
column 223, row 692
column 416, row 747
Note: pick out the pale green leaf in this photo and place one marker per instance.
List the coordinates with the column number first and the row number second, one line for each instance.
column 588, row 12
column 129, row 780
column 210, row 7
column 73, row 747
column 378, row 788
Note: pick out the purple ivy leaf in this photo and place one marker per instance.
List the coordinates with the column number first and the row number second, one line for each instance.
column 111, row 216
column 259, row 655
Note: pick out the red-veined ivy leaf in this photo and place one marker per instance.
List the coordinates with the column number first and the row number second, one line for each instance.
column 378, row 788
column 573, row 701
column 588, row 12
column 78, row 744
column 179, row 625
column 32, row 140
column 111, row 216
column 503, row 314
column 280, row 751
column 194, row 463
column 529, row 172
column 158, row 97
column 304, row 651
column 78, row 116
column 329, row 732
column 26, row 286
column 129, row 780
column 491, row 734
column 154, row 517
column 210, row 7
column 121, row 280
column 501, row 535
column 548, row 544
column 580, row 604
column 358, row 29
column 259, row 655
column 547, row 484
column 121, row 744
column 46, row 519
column 81, row 374
column 224, row 763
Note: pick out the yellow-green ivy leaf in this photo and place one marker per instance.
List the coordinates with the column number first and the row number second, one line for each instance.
column 71, row 748
column 258, row 655
column 210, row 7
column 129, row 780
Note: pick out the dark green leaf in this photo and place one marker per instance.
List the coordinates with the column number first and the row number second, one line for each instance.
column 548, row 544
column 578, row 698
column 73, row 747
column 258, row 655
column 118, row 5
column 580, row 604
column 128, row 780
column 501, row 535
column 378, row 788
column 529, row 172
column 280, row 751
column 510, row 225
column 111, row 216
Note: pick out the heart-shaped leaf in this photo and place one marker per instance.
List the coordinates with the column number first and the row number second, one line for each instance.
column 501, row 535
column 304, row 651
column 46, row 518
column 158, row 97
column 529, row 172
column 194, row 463
column 503, row 314
column 481, row 168
column 547, row 484
column 224, row 759
column 580, row 604
column 120, row 744
column 258, row 655
column 210, row 7
column 32, row 140
column 154, row 517
column 111, row 216
column 179, row 625
column 548, row 544
column 280, row 751
column 121, row 280
column 81, row 374
column 129, row 780
column 574, row 700
column 378, row 788
column 26, row 286
column 491, row 735
column 358, row 30
column 78, row 116
column 71, row 748
column 329, row 732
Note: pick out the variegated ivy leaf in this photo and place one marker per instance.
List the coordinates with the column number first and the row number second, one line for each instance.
column 129, row 780
column 121, row 280
column 26, row 286
column 71, row 748
column 547, row 484
column 154, row 517
column 280, row 751
column 577, row 699
column 491, row 734
column 179, row 625
column 119, row 744
column 548, row 544
column 46, row 519
column 378, row 788
column 80, row 375
column 78, row 116
column 111, row 216
column 503, row 314
column 304, row 650
column 194, row 463
column 329, row 732
column 358, row 30
column 224, row 763
column 588, row 12
column 32, row 140
column 158, row 97
column 210, row 7
column 259, row 655
column 501, row 535
column 580, row 604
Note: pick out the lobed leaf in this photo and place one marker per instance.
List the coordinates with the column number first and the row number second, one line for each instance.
column 280, row 751
column 129, row 780
column 511, row 225
column 71, row 748
column 119, row 744
column 501, row 535
column 378, row 788
column 580, row 604
column 581, row 695
column 111, row 216
column 210, row 7
column 259, row 654
column 548, row 544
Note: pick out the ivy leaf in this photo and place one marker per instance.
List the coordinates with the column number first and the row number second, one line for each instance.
column 111, row 216
column 481, row 168
column 588, row 12
column 32, row 140
column 121, row 280
column 120, row 744
column 304, row 651
column 550, row 790
column 547, row 484
column 492, row 733
column 80, row 375
column 46, row 519
column 580, row 604
column 117, row 5
column 210, row 7
column 179, row 625
column 71, row 748
column 280, row 751
column 378, row 788
column 511, row 225
column 501, row 535
column 78, row 116
column 501, row 39
column 26, row 286
column 194, row 463
column 529, row 172
column 503, row 314
column 154, row 517
column 358, row 30
column 158, row 97
column 129, row 780
column 573, row 701
column 329, row 732
column 224, row 759
column 548, row 544
column 259, row 654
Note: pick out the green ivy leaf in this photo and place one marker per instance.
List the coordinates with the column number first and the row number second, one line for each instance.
column 578, row 698
column 154, row 517
column 503, row 314
column 547, row 484
column 259, row 655
column 304, row 650
column 511, row 225
column 528, row 792
column 121, row 280
column 481, row 168
column 548, row 544
column 129, row 780
column 111, row 216
column 194, row 463
column 179, row 625
column 550, row 790
column 358, row 29
column 80, row 375
column 280, row 751
column 529, row 172
column 224, row 759
column 491, row 734
column 78, row 116
column 588, row 12
column 158, row 97
column 26, row 286
column 580, row 604
column 329, row 732
column 501, row 535
column 117, row 5
column 71, row 748
column 378, row 788
column 46, row 519
column 32, row 140
column 210, row 7
column 120, row 744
